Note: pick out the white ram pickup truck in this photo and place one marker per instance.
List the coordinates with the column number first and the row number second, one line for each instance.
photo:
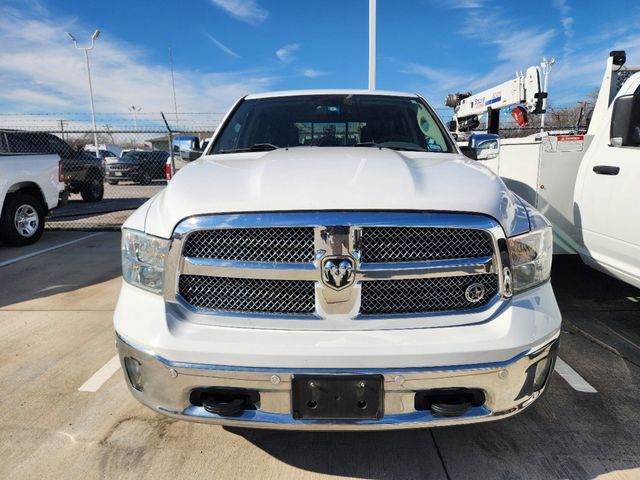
column 333, row 262
column 30, row 186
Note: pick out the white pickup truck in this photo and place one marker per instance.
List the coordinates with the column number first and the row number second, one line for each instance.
column 334, row 262
column 30, row 186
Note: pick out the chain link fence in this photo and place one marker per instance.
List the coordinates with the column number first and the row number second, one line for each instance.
column 105, row 186
column 129, row 167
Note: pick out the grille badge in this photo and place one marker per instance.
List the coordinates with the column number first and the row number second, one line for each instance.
column 474, row 292
column 338, row 272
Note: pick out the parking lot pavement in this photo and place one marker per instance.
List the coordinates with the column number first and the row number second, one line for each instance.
column 118, row 203
column 56, row 337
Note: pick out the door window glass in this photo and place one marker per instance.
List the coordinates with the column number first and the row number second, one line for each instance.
column 625, row 121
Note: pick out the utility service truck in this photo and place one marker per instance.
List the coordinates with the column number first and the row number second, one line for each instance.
column 585, row 184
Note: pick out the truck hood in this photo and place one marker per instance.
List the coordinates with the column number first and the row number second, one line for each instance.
column 334, row 178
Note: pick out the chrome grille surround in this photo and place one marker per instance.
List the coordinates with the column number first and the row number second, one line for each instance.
column 337, row 234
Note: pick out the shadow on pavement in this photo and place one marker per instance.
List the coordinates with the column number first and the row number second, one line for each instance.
column 73, row 267
column 409, row 454
column 597, row 306
column 579, row 287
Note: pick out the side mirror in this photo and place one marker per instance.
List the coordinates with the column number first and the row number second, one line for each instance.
column 188, row 147
column 482, row 146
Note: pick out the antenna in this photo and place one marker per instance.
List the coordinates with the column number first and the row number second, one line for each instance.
column 173, row 86
column 372, row 44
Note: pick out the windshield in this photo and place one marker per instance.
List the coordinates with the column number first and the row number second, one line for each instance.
column 402, row 123
column 131, row 156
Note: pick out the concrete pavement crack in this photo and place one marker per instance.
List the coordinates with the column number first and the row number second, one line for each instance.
column 444, row 466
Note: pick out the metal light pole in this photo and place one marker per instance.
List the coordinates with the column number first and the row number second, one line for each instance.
column 94, row 37
column 135, row 111
column 372, row 44
column 545, row 66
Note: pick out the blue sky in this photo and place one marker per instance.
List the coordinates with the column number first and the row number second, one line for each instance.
column 225, row 48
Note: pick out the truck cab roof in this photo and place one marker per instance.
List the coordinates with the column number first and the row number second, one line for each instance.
column 293, row 93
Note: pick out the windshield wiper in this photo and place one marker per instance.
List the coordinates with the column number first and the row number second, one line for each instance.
column 407, row 149
column 390, row 147
column 256, row 147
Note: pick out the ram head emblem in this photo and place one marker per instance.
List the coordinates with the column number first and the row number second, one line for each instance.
column 338, row 272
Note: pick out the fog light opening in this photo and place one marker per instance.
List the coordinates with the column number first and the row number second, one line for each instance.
column 542, row 373
column 134, row 372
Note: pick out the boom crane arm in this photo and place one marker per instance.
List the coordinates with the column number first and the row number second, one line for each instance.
column 524, row 90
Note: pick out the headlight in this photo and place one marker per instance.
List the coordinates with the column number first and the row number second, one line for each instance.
column 531, row 255
column 143, row 259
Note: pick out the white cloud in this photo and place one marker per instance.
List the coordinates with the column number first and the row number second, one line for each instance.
column 246, row 10
column 444, row 79
column 222, row 46
column 562, row 6
column 312, row 73
column 32, row 96
column 464, row 4
column 38, row 61
column 515, row 48
column 587, row 68
column 286, row 53
column 507, row 44
column 500, row 39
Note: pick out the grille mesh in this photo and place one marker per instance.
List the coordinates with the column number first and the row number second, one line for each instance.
column 424, row 295
column 248, row 295
column 415, row 244
column 274, row 244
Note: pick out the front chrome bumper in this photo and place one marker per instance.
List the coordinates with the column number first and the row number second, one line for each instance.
column 508, row 388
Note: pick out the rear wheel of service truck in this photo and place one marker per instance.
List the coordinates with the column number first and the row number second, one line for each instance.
column 22, row 220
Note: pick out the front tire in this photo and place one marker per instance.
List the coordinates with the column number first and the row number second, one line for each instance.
column 93, row 190
column 112, row 182
column 22, row 221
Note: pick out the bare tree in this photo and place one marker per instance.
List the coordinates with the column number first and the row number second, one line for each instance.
column 571, row 117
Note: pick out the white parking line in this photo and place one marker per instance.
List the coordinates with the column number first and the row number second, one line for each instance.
column 573, row 378
column 101, row 376
column 45, row 250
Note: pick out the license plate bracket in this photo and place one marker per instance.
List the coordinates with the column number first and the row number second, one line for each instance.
column 337, row 397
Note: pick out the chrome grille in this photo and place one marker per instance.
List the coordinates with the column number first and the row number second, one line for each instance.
column 424, row 295
column 285, row 265
column 275, row 244
column 415, row 244
column 284, row 297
